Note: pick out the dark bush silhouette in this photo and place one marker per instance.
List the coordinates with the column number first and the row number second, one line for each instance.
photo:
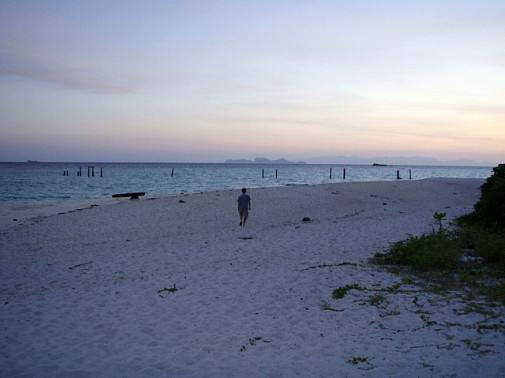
column 490, row 209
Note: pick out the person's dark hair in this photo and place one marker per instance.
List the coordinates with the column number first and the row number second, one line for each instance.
column 244, row 190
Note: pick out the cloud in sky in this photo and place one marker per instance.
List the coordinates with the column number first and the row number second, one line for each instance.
column 206, row 81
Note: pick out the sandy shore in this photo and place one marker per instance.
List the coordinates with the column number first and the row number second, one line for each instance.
column 173, row 286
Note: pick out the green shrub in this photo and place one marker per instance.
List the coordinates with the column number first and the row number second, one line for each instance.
column 439, row 250
column 492, row 249
column 498, row 172
column 481, row 242
column 480, row 238
column 490, row 209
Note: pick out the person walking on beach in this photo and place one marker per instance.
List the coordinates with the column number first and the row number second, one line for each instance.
column 244, row 205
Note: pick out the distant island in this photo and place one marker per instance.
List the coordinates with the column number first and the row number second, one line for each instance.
column 262, row 161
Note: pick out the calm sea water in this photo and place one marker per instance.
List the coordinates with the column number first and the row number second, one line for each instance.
column 29, row 183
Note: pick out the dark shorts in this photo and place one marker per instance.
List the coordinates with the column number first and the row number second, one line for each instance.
column 243, row 213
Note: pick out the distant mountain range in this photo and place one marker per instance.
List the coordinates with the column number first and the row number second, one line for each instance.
column 263, row 161
column 388, row 160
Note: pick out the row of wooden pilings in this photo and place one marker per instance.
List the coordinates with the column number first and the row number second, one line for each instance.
column 91, row 172
column 331, row 173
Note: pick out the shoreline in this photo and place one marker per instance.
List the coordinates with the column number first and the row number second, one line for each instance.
column 24, row 187
column 11, row 214
column 173, row 286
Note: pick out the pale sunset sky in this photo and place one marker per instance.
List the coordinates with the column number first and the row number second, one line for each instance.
column 204, row 81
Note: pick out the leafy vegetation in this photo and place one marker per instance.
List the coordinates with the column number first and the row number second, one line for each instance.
column 342, row 291
column 472, row 255
column 490, row 209
column 357, row 360
column 366, row 364
column 426, row 252
column 484, row 229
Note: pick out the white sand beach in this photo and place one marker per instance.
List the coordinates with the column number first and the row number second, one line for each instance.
column 172, row 286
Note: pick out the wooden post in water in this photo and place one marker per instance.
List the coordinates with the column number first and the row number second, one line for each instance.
column 344, row 173
column 263, row 173
column 101, row 172
column 172, row 174
column 80, row 172
column 276, row 173
column 398, row 175
column 330, row 172
column 410, row 174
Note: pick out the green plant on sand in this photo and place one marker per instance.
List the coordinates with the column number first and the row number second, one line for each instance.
column 472, row 255
column 426, row 252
